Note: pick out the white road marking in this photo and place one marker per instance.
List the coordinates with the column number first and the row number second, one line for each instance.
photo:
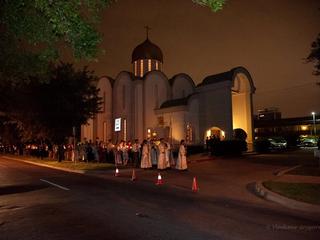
column 54, row 184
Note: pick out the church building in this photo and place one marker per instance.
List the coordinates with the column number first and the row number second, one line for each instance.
column 145, row 103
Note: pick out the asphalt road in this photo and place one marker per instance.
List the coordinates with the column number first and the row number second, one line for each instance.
column 84, row 207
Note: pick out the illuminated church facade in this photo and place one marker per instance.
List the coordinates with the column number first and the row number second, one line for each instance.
column 145, row 103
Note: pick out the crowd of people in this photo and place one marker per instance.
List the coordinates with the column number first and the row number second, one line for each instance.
column 150, row 153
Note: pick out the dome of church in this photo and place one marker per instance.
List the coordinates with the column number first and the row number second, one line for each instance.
column 147, row 50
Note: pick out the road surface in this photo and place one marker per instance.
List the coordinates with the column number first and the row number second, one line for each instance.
column 42, row 203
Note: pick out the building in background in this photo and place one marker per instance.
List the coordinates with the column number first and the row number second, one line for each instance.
column 145, row 103
column 287, row 127
column 271, row 113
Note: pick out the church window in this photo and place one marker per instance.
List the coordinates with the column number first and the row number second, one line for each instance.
column 135, row 68
column 156, row 96
column 149, row 65
column 125, row 129
column 104, row 131
column 141, row 68
column 189, row 137
column 123, row 97
column 157, row 65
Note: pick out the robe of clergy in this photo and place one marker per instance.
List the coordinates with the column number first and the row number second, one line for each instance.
column 182, row 158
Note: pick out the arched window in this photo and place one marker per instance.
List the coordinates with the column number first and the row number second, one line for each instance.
column 141, row 68
column 149, row 65
column 189, row 134
column 135, row 68
column 125, row 129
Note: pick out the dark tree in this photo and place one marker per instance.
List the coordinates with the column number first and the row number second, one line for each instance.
column 50, row 109
column 68, row 100
column 314, row 56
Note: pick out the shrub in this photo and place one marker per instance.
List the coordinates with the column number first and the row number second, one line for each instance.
column 194, row 149
column 229, row 147
column 262, row 145
column 239, row 134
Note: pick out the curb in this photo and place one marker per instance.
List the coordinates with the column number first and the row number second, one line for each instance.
column 45, row 165
column 265, row 193
column 284, row 171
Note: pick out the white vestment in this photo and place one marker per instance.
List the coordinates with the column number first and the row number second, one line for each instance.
column 162, row 156
column 182, row 158
column 145, row 158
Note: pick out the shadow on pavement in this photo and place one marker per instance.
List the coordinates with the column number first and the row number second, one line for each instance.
column 20, row 189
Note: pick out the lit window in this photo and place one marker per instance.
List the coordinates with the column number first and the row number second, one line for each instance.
column 141, row 68
column 189, row 133
column 135, row 68
column 157, row 65
column 149, row 65
column 104, row 131
column 125, row 129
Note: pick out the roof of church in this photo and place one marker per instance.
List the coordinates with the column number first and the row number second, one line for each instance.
column 147, row 50
column 228, row 76
column 225, row 76
column 175, row 102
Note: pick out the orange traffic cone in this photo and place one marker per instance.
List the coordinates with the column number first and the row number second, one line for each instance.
column 159, row 180
column 133, row 177
column 195, row 187
column 117, row 173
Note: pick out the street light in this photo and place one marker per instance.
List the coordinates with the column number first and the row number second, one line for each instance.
column 314, row 123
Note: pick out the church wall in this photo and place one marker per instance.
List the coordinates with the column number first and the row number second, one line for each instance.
column 193, row 119
column 215, row 108
column 182, row 86
column 242, row 104
column 122, row 106
column 241, row 111
column 138, row 110
column 175, row 120
column 156, row 91
column 104, row 118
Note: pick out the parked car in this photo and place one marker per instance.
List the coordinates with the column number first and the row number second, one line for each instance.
column 278, row 143
column 309, row 143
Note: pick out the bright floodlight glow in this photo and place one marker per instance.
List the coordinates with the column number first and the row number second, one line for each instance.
column 313, row 113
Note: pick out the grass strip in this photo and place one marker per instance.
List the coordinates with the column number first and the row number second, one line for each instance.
column 90, row 166
column 306, row 171
column 305, row 192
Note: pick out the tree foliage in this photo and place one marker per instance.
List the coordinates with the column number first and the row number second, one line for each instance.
column 214, row 5
column 46, row 23
column 314, row 55
column 50, row 109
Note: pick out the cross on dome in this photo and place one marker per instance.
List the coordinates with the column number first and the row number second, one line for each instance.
column 147, row 30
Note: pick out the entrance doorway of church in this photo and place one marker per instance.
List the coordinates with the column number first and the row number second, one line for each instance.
column 215, row 132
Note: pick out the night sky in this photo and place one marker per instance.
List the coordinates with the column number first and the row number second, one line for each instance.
column 269, row 38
